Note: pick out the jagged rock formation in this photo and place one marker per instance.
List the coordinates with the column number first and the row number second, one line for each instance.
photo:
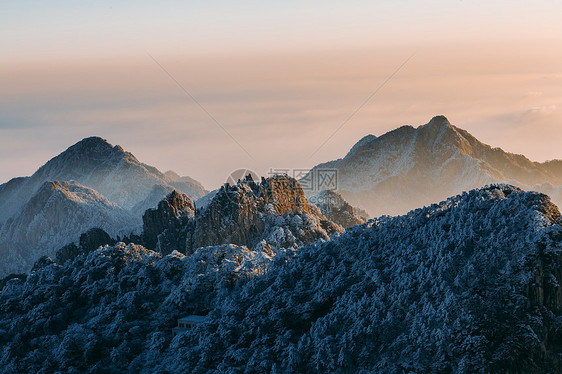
column 411, row 167
column 56, row 215
column 275, row 211
column 164, row 227
column 95, row 238
column 68, row 252
column 272, row 214
column 336, row 209
column 204, row 201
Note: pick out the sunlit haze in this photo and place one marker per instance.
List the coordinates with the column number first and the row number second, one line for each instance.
column 280, row 78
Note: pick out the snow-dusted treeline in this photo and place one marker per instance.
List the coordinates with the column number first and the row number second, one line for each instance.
column 468, row 285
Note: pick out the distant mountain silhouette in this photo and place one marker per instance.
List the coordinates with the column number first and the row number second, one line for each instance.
column 411, row 167
column 114, row 190
column 93, row 162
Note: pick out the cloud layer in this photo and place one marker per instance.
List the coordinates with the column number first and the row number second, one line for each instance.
column 279, row 106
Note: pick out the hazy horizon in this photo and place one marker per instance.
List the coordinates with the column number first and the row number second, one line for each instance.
column 280, row 78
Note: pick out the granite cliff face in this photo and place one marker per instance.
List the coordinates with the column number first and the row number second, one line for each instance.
column 271, row 214
column 164, row 226
column 274, row 211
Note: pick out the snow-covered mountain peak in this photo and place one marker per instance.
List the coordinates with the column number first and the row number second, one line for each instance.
column 88, row 159
column 95, row 144
column 113, row 172
column 438, row 135
column 97, row 185
column 92, row 142
column 92, row 147
column 409, row 167
column 439, row 121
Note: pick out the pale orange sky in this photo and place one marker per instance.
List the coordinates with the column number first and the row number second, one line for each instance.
column 279, row 83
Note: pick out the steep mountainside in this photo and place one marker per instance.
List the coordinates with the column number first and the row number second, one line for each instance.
column 204, row 201
column 471, row 284
column 163, row 225
column 93, row 162
column 187, row 185
column 411, row 167
column 273, row 214
column 56, row 215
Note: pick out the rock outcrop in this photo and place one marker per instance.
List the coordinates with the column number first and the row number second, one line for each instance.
column 274, row 211
column 89, row 241
column 164, row 227
column 270, row 215
column 95, row 238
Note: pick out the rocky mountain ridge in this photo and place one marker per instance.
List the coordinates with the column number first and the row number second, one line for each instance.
column 336, row 209
column 273, row 213
column 93, row 162
column 411, row 167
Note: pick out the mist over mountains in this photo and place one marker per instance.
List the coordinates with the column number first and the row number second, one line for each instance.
column 105, row 253
column 94, row 185
column 411, row 167
column 91, row 184
column 94, row 163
